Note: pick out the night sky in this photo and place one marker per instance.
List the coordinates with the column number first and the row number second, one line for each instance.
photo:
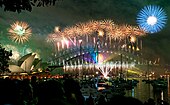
column 42, row 20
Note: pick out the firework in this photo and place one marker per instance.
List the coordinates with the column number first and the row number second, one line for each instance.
column 20, row 32
column 70, row 32
column 132, row 39
column 138, row 31
column 107, row 24
column 152, row 18
column 110, row 33
column 118, row 33
column 57, row 29
column 84, row 28
column 94, row 25
column 100, row 32
column 104, row 28
column 125, row 29
column 115, row 33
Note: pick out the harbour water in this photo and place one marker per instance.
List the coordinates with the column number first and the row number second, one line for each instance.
column 144, row 91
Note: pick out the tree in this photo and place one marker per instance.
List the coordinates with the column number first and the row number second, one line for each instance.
column 19, row 5
column 4, row 59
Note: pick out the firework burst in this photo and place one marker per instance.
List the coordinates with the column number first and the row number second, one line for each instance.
column 152, row 19
column 103, row 28
column 20, row 32
column 125, row 29
column 70, row 32
column 84, row 28
column 138, row 31
column 94, row 25
column 107, row 24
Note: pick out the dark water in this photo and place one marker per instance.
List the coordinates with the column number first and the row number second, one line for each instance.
column 144, row 91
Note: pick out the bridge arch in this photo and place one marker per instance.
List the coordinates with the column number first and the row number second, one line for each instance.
column 86, row 43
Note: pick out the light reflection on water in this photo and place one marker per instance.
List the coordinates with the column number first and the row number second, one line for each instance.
column 144, row 91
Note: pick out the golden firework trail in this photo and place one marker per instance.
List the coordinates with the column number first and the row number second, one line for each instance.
column 109, row 28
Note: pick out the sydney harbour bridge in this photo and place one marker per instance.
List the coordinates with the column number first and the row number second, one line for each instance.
column 106, row 56
column 99, row 52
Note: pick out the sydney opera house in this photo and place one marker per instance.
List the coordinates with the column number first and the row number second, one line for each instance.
column 26, row 64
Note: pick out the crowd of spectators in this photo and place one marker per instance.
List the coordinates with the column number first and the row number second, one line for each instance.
column 64, row 91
